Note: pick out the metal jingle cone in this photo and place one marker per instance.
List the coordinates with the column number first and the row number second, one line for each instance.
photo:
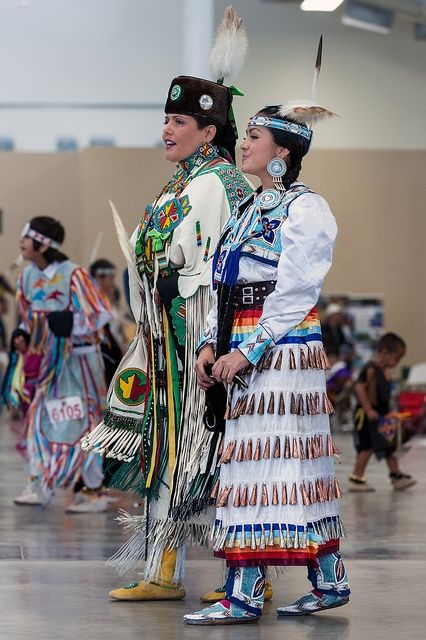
column 249, row 450
column 311, row 493
column 277, row 447
column 300, row 405
column 253, row 497
column 240, row 453
column 279, row 361
column 250, row 406
column 293, row 405
column 275, row 498
column 281, row 405
column 237, row 498
column 303, row 360
column 244, row 497
column 337, row 490
column 215, row 491
column 287, row 453
column 295, row 450
column 261, row 406
column 267, row 449
column 284, row 498
column 305, row 497
column 257, row 450
column 265, row 497
column 268, row 362
column 271, row 403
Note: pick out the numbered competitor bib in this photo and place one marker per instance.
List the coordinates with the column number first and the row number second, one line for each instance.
column 65, row 409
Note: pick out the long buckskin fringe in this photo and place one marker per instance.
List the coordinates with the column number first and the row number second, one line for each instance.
column 196, row 468
column 162, row 534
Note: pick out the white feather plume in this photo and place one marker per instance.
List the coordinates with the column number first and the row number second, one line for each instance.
column 305, row 111
column 125, row 243
column 96, row 246
column 229, row 49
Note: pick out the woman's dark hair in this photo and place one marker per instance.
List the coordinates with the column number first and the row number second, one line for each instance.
column 102, row 263
column 16, row 334
column 224, row 139
column 52, row 229
column 297, row 145
column 390, row 342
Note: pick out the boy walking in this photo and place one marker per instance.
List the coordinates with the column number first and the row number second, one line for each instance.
column 372, row 433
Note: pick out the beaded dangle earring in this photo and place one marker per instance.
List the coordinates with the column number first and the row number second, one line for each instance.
column 277, row 169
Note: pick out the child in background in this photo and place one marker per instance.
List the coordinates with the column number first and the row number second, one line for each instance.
column 339, row 388
column 371, row 432
column 15, row 393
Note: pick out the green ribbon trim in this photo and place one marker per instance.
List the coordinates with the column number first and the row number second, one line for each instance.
column 235, row 91
column 158, row 239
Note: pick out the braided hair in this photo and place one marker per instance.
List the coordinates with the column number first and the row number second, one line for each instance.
column 297, row 145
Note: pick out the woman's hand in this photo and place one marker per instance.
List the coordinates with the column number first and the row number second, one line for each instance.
column 372, row 415
column 227, row 366
column 206, row 356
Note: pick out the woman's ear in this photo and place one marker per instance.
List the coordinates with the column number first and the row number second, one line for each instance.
column 43, row 248
column 283, row 153
column 210, row 132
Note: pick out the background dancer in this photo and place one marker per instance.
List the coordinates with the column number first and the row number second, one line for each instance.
column 62, row 311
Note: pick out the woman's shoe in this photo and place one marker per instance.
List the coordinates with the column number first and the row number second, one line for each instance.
column 311, row 603
column 140, row 591
column 215, row 596
column 223, row 612
column 243, row 604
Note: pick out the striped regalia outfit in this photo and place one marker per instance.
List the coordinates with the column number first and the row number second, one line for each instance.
column 71, row 370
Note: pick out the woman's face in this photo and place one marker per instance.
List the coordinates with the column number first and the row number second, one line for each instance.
column 182, row 137
column 19, row 344
column 27, row 249
column 258, row 149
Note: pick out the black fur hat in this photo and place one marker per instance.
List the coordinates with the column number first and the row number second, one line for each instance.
column 198, row 97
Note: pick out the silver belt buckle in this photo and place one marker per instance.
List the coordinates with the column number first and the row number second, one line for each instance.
column 247, row 295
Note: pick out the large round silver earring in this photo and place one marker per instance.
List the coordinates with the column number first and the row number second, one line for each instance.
column 277, row 169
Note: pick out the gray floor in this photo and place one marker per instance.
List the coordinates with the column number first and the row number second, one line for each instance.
column 53, row 579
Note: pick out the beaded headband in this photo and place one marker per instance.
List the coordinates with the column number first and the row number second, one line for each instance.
column 105, row 271
column 283, row 125
column 29, row 232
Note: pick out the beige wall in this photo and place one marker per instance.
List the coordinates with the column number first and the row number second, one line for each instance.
column 377, row 197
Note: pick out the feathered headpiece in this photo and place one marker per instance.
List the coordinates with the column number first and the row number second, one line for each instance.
column 308, row 110
column 229, row 49
column 213, row 100
column 304, row 112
